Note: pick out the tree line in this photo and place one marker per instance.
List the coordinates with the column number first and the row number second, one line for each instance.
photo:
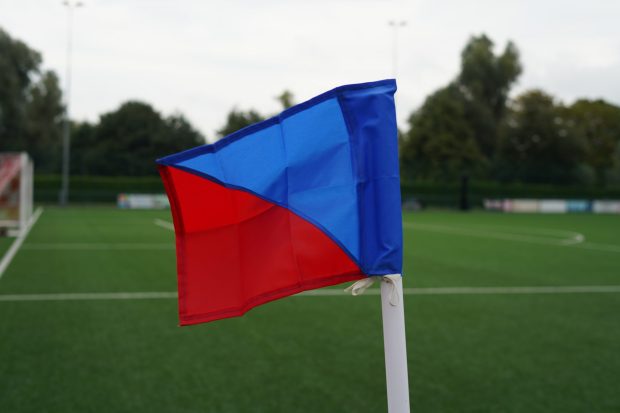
column 30, row 103
column 123, row 142
column 470, row 127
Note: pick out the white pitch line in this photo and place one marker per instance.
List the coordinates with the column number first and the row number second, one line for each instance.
column 8, row 257
column 598, row 247
column 574, row 289
column 570, row 237
column 573, row 238
column 88, row 296
column 164, row 224
column 85, row 246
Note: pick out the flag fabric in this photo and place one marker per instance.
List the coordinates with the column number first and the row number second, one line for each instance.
column 306, row 199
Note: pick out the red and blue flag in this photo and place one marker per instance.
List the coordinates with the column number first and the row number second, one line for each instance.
column 303, row 200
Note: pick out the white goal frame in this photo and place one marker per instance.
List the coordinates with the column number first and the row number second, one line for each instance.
column 25, row 173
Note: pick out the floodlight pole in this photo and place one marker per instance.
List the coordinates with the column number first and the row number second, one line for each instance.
column 395, row 25
column 66, row 127
column 395, row 344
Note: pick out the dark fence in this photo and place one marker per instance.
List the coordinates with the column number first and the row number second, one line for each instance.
column 94, row 189
column 104, row 189
column 430, row 194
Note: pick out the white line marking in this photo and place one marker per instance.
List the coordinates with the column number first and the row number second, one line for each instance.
column 599, row 247
column 536, row 231
column 164, row 224
column 550, row 237
column 576, row 239
column 8, row 257
column 573, row 239
column 88, row 296
column 577, row 289
column 573, row 289
column 96, row 246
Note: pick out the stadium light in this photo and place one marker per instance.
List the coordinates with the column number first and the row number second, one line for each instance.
column 66, row 133
column 395, row 24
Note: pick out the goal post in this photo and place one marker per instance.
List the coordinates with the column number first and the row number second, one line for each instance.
column 16, row 192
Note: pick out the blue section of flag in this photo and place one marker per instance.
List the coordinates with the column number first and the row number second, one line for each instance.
column 332, row 160
column 372, row 124
column 256, row 162
column 320, row 172
column 302, row 163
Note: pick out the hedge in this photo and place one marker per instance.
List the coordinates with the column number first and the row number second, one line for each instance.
column 447, row 195
column 93, row 189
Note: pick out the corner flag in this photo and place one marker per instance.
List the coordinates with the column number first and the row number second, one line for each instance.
column 303, row 200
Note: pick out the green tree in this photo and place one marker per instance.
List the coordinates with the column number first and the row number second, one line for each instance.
column 238, row 119
column 178, row 135
column 84, row 149
column 286, row 99
column 44, row 115
column 128, row 140
column 485, row 81
column 598, row 123
column 456, row 130
column 538, row 142
column 30, row 105
column 440, row 144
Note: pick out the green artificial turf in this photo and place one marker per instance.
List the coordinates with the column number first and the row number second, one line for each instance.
column 467, row 353
column 5, row 244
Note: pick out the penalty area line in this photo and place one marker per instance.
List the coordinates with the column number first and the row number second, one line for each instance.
column 85, row 246
column 10, row 254
column 164, row 224
column 88, row 296
column 573, row 289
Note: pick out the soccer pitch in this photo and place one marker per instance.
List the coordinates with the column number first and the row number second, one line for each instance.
column 505, row 313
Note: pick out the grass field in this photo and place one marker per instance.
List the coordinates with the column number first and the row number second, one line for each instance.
column 470, row 350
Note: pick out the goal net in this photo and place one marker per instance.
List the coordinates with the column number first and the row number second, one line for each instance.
column 15, row 192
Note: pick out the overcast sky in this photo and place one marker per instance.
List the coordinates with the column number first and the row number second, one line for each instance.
column 202, row 57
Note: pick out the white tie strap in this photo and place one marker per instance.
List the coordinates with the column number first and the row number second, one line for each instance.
column 358, row 287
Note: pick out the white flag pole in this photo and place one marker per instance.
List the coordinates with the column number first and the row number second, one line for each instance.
column 395, row 344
